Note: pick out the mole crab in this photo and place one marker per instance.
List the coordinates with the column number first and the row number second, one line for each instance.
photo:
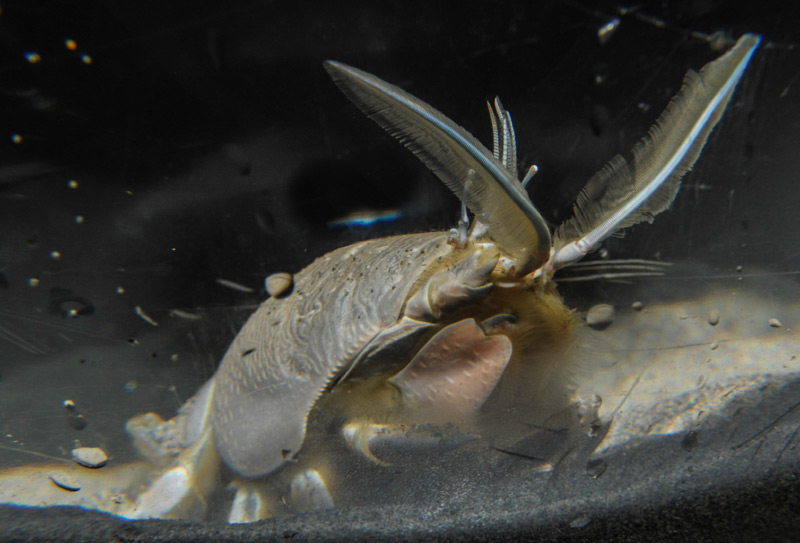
column 410, row 332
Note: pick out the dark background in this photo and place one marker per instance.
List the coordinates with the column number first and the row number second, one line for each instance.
column 207, row 142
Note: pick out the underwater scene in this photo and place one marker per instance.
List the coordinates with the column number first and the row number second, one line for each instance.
column 398, row 270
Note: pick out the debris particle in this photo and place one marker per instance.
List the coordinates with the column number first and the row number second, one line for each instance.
column 715, row 346
column 713, row 317
column 33, row 282
column 185, row 314
column 72, row 184
column 775, row 323
column 605, row 32
column 174, row 357
column 233, row 285
column 55, row 255
column 366, row 218
column 145, row 316
column 600, row 316
column 637, row 305
column 65, row 482
column 79, row 219
column 90, row 457
column 580, row 522
column 120, row 290
column 738, row 269
column 278, row 283
column 131, row 385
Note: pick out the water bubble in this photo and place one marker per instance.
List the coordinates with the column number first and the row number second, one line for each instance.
column 596, row 468
column 72, row 307
column 600, row 316
column 74, row 418
column 689, row 441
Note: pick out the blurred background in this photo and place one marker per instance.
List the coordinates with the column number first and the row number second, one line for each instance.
column 159, row 160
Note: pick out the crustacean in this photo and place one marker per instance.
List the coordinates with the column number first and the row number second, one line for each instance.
column 421, row 325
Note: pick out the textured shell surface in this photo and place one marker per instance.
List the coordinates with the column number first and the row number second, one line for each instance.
column 290, row 348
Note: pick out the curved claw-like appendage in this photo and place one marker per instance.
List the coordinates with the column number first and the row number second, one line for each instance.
column 250, row 502
column 387, row 444
column 466, row 282
column 309, row 493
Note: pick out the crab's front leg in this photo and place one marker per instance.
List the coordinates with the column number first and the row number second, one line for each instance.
column 454, row 373
column 184, row 446
column 180, row 472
